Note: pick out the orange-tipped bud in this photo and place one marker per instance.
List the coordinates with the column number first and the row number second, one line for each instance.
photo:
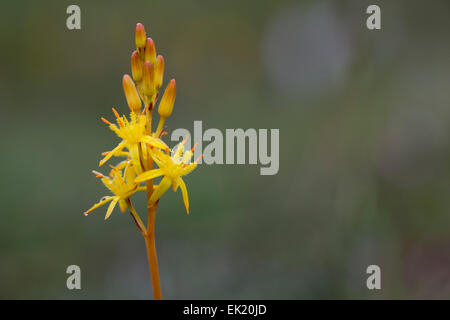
column 159, row 72
column 136, row 66
column 148, row 78
column 150, row 51
column 140, row 36
column 131, row 94
column 166, row 105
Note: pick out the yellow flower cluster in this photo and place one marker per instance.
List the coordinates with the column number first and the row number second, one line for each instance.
column 141, row 147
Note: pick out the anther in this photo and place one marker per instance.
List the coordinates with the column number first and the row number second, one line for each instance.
column 97, row 174
column 115, row 113
column 114, row 168
column 198, row 159
column 106, row 121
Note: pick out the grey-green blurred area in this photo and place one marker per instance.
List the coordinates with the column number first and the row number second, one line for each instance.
column 364, row 171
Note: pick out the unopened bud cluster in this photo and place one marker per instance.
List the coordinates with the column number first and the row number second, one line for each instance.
column 147, row 69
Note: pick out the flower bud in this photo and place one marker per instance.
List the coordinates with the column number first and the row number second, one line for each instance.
column 131, row 94
column 150, row 51
column 148, row 78
column 136, row 66
column 159, row 73
column 140, row 36
column 166, row 105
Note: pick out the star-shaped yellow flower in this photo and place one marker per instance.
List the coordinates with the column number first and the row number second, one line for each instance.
column 122, row 186
column 132, row 133
column 172, row 168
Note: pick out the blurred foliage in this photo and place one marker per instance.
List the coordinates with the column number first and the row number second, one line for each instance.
column 364, row 157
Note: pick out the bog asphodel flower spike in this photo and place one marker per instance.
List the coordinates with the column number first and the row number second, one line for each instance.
column 142, row 148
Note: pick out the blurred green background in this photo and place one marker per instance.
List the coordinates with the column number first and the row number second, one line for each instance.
column 364, row 175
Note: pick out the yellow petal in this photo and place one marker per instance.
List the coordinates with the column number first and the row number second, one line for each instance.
column 188, row 169
column 175, row 185
column 117, row 149
column 111, row 207
column 151, row 174
column 144, row 188
column 155, row 142
column 184, row 193
column 159, row 191
column 130, row 175
column 123, row 205
column 98, row 204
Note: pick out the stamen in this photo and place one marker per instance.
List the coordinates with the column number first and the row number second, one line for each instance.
column 193, row 148
column 106, row 121
column 121, row 124
column 105, row 153
column 163, row 134
column 98, row 174
column 114, row 168
column 185, row 140
column 115, row 113
column 198, row 159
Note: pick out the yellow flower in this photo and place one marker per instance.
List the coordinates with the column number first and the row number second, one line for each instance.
column 172, row 168
column 132, row 134
column 122, row 186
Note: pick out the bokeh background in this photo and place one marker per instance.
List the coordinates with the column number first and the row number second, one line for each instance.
column 364, row 175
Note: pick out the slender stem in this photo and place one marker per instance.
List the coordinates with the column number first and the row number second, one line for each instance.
column 151, row 253
column 151, row 208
